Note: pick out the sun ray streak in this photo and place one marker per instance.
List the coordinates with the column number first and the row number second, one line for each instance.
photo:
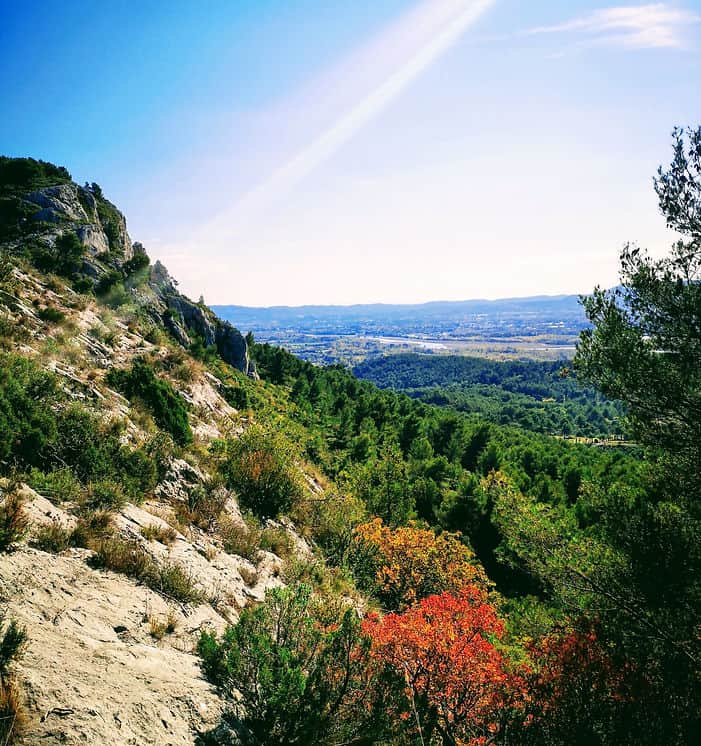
column 461, row 15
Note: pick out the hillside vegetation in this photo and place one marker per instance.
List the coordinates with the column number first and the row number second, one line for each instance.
column 544, row 397
column 207, row 540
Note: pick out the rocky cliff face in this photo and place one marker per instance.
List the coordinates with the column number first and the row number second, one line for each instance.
column 184, row 318
column 99, row 225
column 101, row 228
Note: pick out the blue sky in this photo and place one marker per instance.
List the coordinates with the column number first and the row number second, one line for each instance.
column 332, row 152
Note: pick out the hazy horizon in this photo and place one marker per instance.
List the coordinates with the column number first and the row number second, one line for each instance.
column 543, row 296
column 336, row 153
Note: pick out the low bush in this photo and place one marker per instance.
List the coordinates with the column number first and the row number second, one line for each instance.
column 139, row 261
column 241, row 538
column 159, row 628
column 168, row 409
column 83, row 285
column 59, row 485
column 236, row 396
column 51, row 315
column 64, row 258
column 53, row 537
column 205, row 503
column 260, row 467
column 13, row 640
column 105, row 494
column 92, row 528
column 277, row 541
column 174, row 581
column 107, row 282
column 298, row 666
column 124, row 556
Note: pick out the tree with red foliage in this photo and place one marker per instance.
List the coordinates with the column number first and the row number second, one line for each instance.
column 580, row 695
column 458, row 688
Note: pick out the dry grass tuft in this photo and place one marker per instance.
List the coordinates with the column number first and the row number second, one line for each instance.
column 249, row 575
column 159, row 628
column 13, row 718
column 53, row 537
column 14, row 521
column 130, row 558
column 154, row 532
column 240, row 538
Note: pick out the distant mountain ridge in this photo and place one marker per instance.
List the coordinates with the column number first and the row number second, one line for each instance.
column 564, row 307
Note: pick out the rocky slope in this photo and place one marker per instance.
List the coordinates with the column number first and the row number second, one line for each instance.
column 110, row 659
column 93, row 671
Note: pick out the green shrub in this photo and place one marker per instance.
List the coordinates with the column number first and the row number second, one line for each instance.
column 168, row 409
column 137, row 262
column 59, row 485
column 200, row 351
column 236, row 396
column 105, row 495
column 290, row 662
column 139, row 472
column 27, row 422
column 259, row 466
column 22, row 175
column 83, row 285
column 108, row 281
column 51, row 315
column 64, row 258
column 13, row 639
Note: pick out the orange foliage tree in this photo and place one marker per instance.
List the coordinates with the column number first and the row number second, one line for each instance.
column 458, row 688
column 403, row 565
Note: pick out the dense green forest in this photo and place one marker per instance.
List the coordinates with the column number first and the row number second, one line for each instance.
column 409, row 460
column 544, row 397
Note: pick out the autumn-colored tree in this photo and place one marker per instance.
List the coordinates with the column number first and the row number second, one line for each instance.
column 458, row 688
column 580, row 696
column 403, row 565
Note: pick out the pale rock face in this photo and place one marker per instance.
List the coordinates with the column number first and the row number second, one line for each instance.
column 71, row 203
column 62, row 203
column 94, row 239
column 92, row 672
column 126, row 245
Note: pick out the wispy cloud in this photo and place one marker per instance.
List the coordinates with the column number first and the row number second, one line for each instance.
column 651, row 26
